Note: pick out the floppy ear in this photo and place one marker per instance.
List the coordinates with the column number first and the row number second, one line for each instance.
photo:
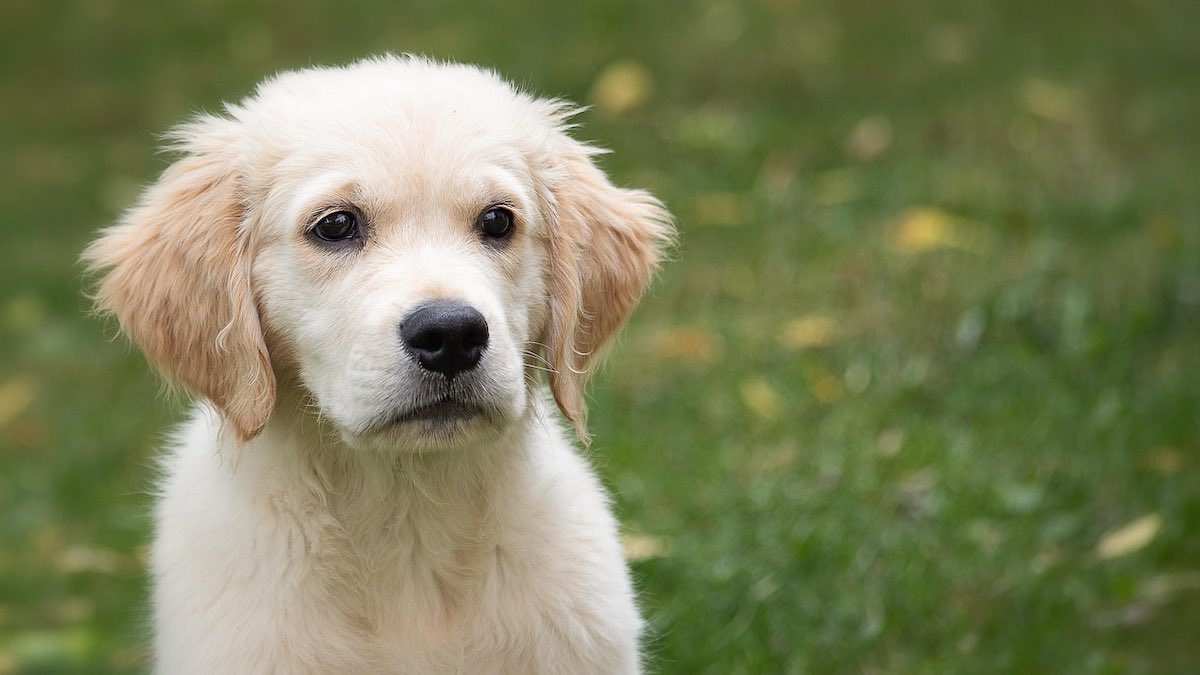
column 605, row 244
column 176, row 273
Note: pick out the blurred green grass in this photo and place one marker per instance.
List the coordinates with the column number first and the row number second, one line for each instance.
column 932, row 334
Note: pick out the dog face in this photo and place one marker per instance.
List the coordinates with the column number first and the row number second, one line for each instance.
column 404, row 267
column 407, row 243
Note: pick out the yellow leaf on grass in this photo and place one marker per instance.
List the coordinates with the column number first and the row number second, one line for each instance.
column 711, row 209
column 769, row 460
column 923, row 228
column 1165, row 460
column 15, row 396
column 890, row 441
column 761, row 398
column 77, row 559
column 621, row 87
column 826, row 387
column 919, row 482
column 644, row 546
column 1052, row 101
column 810, row 330
column 870, row 138
column 23, row 313
column 1129, row 538
column 686, row 342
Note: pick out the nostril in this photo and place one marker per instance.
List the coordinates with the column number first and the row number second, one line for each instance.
column 476, row 335
column 428, row 339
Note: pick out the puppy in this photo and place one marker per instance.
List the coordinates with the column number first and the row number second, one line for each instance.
column 380, row 280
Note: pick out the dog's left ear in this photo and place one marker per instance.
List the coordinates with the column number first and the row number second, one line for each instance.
column 605, row 244
column 176, row 273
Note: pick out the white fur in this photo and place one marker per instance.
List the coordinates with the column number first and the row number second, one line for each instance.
column 502, row 559
column 297, row 530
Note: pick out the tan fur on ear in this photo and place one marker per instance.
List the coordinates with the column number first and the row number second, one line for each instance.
column 176, row 273
column 605, row 245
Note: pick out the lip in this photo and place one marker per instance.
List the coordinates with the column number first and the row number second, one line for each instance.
column 443, row 411
column 448, row 415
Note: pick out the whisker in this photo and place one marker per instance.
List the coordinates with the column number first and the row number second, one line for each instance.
column 542, row 363
column 540, row 359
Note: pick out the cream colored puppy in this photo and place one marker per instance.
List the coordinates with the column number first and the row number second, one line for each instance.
column 363, row 273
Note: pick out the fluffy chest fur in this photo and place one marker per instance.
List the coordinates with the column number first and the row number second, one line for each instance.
column 500, row 561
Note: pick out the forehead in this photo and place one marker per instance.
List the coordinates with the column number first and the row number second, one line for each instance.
column 421, row 125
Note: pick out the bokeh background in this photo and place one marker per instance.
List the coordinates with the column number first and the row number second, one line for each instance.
column 920, row 392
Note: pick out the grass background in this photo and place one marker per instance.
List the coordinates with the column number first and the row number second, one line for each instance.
column 921, row 392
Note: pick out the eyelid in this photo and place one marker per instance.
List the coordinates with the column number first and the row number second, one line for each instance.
column 505, row 204
column 329, row 208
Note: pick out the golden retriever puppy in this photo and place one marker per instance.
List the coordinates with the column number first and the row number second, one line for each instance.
column 380, row 280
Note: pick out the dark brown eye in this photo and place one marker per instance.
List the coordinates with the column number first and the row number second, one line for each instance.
column 337, row 226
column 496, row 223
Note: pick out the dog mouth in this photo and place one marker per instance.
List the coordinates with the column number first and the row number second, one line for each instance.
column 444, row 410
column 444, row 413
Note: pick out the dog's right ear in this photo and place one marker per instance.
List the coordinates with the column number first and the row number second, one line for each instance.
column 605, row 244
column 176, row 273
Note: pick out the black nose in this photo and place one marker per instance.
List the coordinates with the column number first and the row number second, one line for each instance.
column 445, row 337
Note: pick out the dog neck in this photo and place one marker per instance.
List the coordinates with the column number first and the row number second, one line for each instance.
column 366, row 522
column 448, row 498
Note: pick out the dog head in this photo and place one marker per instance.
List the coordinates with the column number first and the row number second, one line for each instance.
column 407, row 243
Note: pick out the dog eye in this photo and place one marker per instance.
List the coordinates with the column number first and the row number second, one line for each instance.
column 496, row 223
column 337, row 226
